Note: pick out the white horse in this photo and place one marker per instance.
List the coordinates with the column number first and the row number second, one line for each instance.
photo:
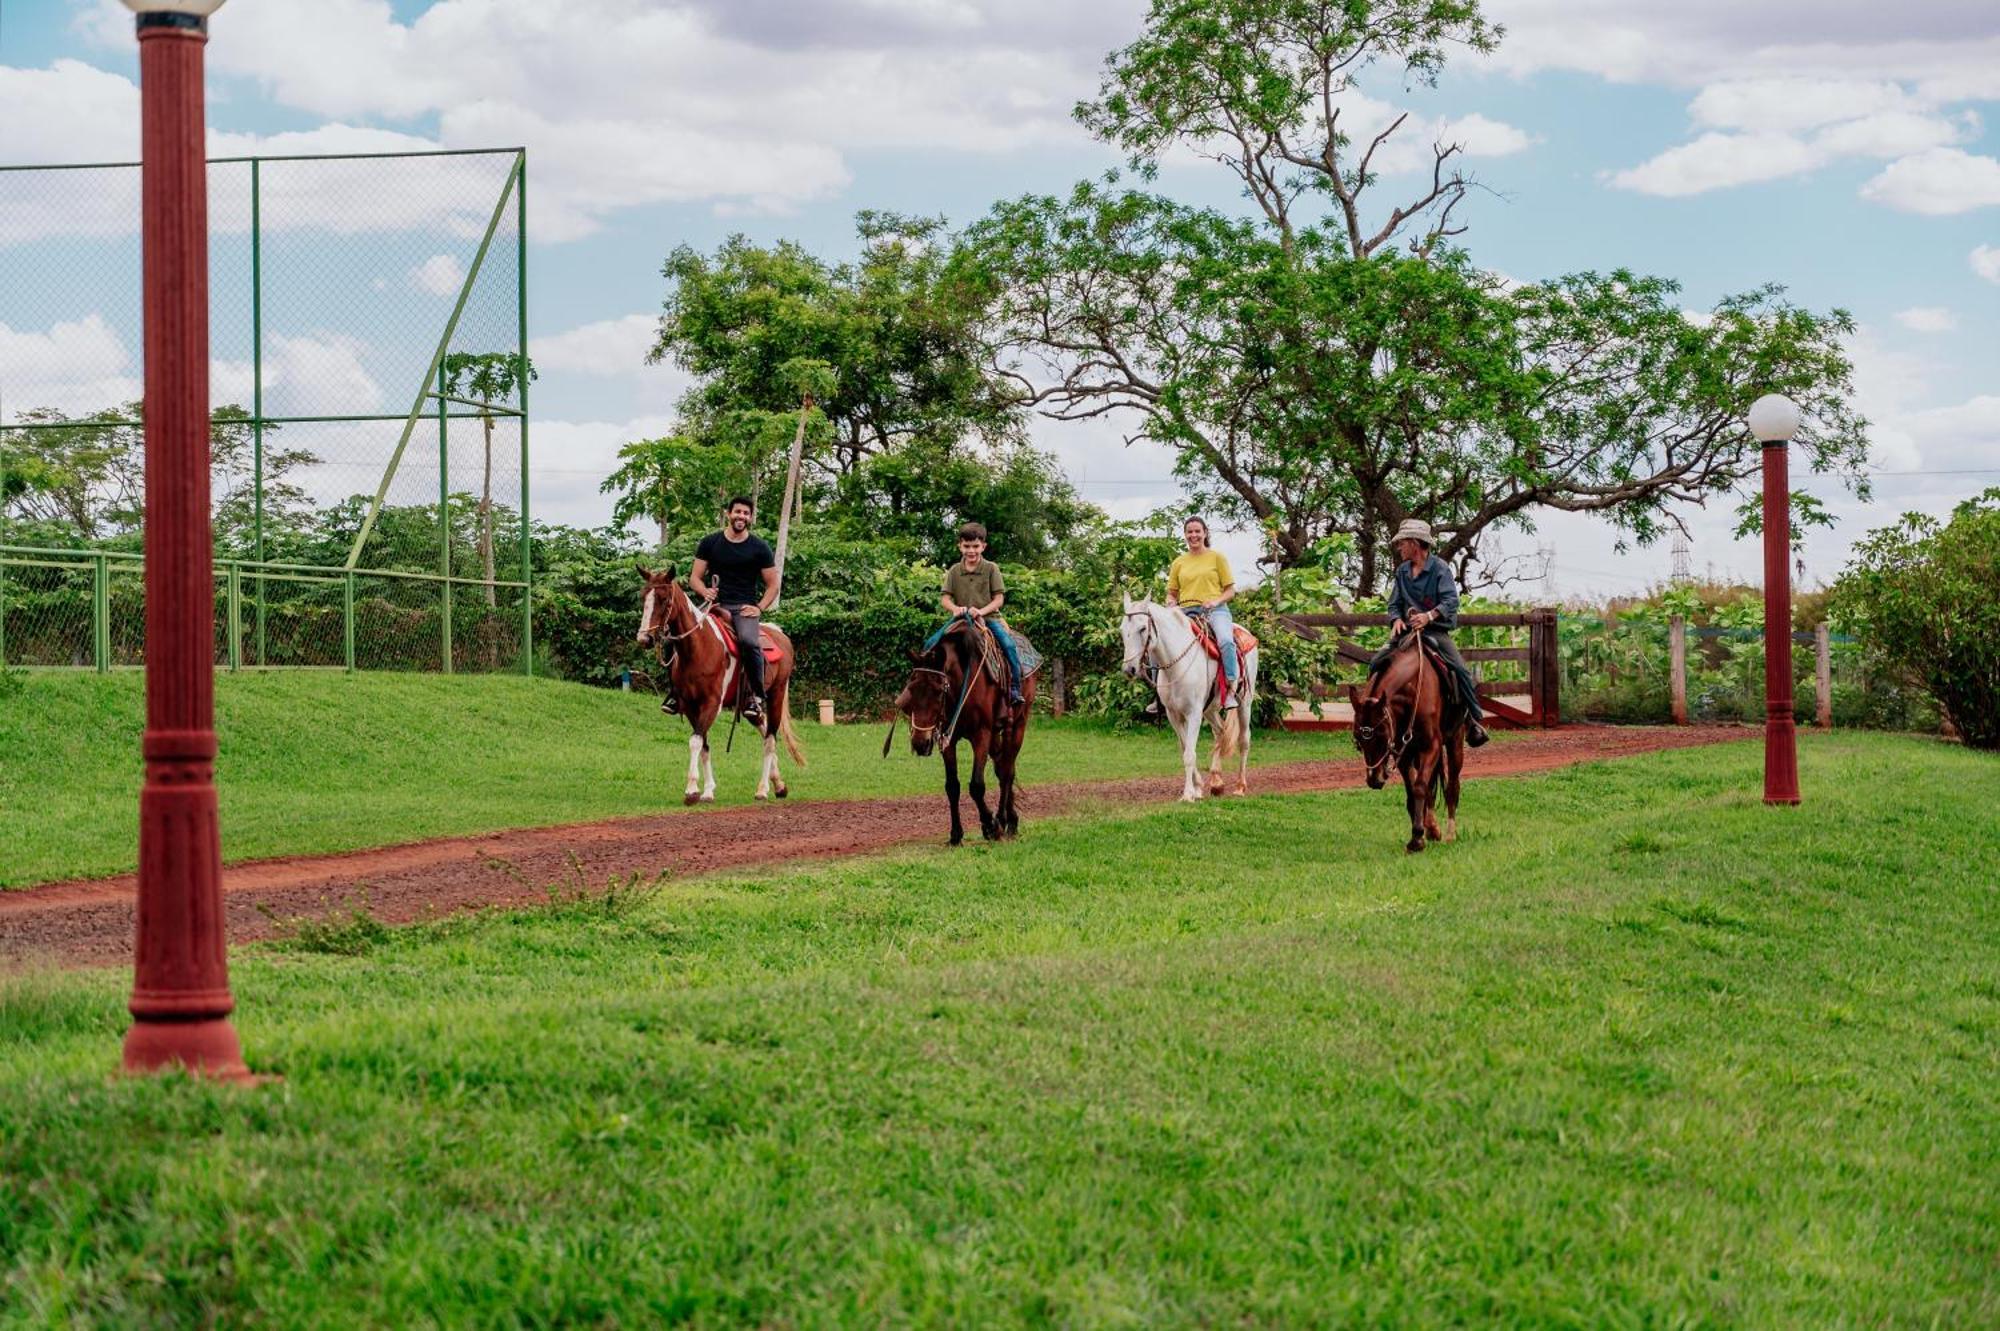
column 1160, row 636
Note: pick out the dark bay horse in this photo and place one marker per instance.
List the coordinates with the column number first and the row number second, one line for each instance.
column 949, row 698
column 706, row 678
column 1403, row 720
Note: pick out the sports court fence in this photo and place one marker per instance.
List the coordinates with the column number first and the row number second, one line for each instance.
column 370, row 382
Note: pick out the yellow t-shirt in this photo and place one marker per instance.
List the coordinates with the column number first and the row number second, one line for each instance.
column 1194, row 578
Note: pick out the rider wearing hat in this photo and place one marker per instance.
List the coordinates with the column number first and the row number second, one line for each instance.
column 1423, row 596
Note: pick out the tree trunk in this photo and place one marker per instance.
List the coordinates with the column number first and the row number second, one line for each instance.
column 791, row 491
column 663, row 531
column 486, row 515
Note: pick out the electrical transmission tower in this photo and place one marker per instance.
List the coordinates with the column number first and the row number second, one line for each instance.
column 1683, row 558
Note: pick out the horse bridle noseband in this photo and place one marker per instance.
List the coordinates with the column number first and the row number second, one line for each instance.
column 937, row 725
column 1394, row 753
column 1152, row 641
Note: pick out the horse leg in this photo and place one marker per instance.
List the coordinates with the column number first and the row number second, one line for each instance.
column 1003, row 767
column 707, row 772
column 951, row 790
column 1243, row 725
column 1414, row 803
column 1454, row 759
column 1188, row 729
column 1218, row 725
column 697, row 746
column 1433, row 773
column 769, row 767
column 989, row 827
column 780, row 699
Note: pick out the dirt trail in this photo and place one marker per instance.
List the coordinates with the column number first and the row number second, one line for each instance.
column 91, row 923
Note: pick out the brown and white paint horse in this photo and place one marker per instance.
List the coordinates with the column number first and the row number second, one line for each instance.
column 706, row 678
column 1403, row 721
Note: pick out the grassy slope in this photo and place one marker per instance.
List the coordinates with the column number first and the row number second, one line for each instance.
column 323, row 762
column 1637, row 1052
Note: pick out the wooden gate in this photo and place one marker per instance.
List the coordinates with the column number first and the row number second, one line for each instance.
column 1502, row 699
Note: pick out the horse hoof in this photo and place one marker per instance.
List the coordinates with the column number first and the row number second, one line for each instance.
column 691, row 798
column 708, row 798
column 781, row 792
column 1416, row 846
column 760, row 797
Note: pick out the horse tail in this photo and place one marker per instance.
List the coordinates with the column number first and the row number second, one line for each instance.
column 790, row 736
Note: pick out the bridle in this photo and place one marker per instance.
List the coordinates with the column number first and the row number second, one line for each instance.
column 1152, row 641
column 1393, row 754
column 664, row 636
column 935, row 726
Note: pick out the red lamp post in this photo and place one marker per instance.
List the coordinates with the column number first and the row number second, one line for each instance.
column 1774, row 419
column 180, row 985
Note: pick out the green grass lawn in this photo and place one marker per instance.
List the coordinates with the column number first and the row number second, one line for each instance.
column 323, row 762
column 1636, row 1052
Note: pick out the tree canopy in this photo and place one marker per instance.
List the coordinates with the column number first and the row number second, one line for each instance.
column 1325, row 364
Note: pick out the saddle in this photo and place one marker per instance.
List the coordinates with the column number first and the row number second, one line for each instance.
column 720, row 623
column 1246, row 642
column 991, row 656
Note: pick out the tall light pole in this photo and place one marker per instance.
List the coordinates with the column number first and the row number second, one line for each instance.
column 1774, row 419
column 180, row 983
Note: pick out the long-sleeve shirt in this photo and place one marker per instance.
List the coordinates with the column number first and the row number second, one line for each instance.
column 1428, row 588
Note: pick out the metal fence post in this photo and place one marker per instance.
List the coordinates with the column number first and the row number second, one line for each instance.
column 256, row 389
column 521, row 313
column 444, row 520
column 347, row 617
column 100, row 611
column 3, row 610
column 234, row 601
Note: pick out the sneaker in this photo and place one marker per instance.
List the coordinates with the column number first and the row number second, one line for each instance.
column 1014, row 699
column 670, row 705
column 753, row 710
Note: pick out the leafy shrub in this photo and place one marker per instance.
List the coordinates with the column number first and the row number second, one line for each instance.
column 1921, row 595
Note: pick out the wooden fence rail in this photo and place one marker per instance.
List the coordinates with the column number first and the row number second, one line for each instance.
column 1539, row 656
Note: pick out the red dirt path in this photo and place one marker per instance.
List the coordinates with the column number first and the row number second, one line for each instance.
column 91, row 923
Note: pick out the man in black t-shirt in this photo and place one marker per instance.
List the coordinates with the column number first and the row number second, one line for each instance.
column 745, row 582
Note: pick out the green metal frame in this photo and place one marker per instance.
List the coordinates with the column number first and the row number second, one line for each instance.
column 248, row 644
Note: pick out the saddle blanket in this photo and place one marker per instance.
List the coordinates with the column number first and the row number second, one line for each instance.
column 720, row 623
column 1246, row 641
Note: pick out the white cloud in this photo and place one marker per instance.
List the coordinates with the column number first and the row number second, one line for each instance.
column 571, row 458
column 76, row 366
column 1937, row 183
column 608, row 347
column 1717, row 161
column 1927, row 319
column 1788, row 105
column 440, row 275
column 1986, row 262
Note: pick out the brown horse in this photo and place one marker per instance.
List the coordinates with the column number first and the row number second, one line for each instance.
column 705, row 678
column 949, row 698
column 1403, row 720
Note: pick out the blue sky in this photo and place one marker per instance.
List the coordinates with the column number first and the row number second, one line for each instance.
column 1839, row 148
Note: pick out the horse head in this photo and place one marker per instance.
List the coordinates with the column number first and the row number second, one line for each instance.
column 660, row 592
column 1137, row 629
column 926, row 698
column 1374, row 736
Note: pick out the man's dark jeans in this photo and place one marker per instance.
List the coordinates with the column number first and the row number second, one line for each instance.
column 749, row 648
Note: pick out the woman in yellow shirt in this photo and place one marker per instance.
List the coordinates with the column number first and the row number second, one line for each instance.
column 1201, row 584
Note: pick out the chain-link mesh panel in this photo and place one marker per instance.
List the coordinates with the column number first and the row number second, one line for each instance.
column 342, row 292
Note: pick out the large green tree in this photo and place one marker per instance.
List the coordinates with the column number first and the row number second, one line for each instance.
column 895, row 341
column 1325, row 363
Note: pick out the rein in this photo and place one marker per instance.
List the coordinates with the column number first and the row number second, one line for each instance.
column 1153, row 642
column 1393, row 755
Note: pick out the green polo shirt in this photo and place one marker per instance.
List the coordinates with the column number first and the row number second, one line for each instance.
column 973, row 588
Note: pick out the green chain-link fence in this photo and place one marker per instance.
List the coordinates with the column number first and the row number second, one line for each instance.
column 369, row 381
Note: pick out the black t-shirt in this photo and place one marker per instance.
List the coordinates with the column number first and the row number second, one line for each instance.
column 738, row 565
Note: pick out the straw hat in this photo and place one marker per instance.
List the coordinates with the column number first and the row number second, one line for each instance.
column 1414, row 529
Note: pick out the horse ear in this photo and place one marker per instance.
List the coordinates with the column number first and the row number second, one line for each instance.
column 917, row 655
column 669, row 573
column 644, row 572
column 1128, row 601
column 1354, row 696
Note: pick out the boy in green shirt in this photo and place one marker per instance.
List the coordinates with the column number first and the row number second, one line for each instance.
column 974, row 587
